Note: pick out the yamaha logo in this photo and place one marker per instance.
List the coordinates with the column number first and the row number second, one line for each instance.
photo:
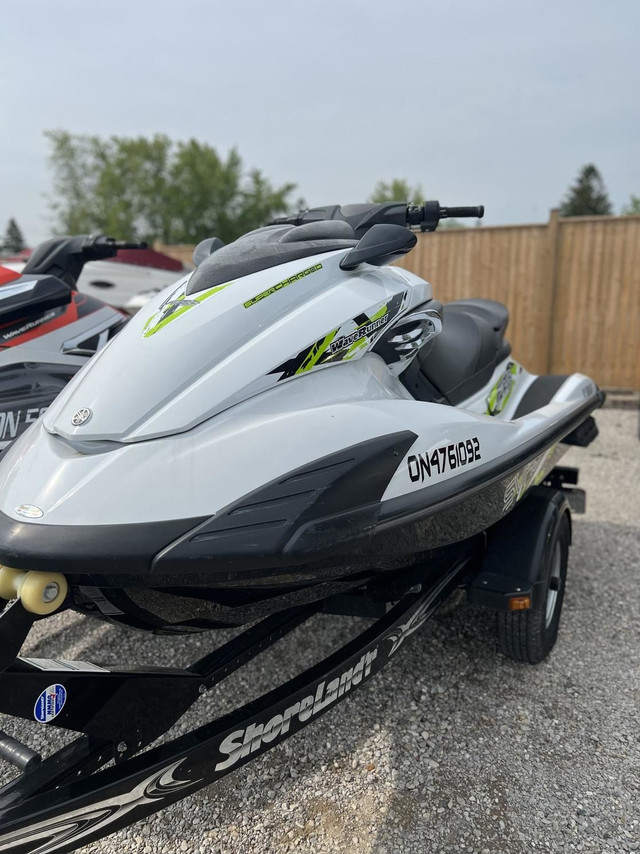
column 29, row 511
column 81, row 417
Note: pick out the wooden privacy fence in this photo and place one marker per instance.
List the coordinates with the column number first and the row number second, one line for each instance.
column 572, row 287
column 182, row 252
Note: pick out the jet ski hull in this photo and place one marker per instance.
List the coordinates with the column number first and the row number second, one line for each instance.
column 254, row 438
column 319, row 531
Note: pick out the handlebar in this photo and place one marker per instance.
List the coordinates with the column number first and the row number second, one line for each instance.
column 476, row 211
column 361, row 217
column 119, row 244
column 428, row 215
column 65, row 257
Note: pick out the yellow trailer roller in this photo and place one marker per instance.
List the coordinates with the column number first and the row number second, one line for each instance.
column 40, row 592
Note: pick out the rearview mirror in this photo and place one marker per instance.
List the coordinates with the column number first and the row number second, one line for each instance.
column 205, row 248
column 381, row 245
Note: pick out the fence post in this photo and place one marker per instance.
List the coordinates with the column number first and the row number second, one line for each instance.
column 553, row 234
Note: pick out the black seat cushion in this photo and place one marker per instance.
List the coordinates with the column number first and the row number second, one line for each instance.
column 459, row 361
column 493, row 312
column 324, row 230
column 269, row 247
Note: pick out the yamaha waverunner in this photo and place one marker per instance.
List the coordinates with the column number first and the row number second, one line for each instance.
column 48, row 329
column 295, row 426
column 291, row 421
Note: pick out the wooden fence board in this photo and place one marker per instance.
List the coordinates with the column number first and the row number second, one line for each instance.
column 572, row 288
column 506, row 264
column 598, row 300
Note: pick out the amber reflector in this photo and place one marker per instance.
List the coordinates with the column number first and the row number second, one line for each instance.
column 519, row 603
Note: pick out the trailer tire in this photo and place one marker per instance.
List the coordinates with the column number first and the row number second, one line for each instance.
column 531, row 635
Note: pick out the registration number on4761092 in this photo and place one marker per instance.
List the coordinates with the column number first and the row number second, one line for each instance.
column 448, row 457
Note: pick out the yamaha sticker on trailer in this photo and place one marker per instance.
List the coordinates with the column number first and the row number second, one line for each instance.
column 50, row 703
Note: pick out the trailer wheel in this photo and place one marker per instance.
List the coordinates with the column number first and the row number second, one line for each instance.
column 531, row 635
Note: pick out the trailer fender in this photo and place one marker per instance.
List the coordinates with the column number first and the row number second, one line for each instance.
column 516, row 549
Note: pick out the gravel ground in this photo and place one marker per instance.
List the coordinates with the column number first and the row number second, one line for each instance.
column 452, row 748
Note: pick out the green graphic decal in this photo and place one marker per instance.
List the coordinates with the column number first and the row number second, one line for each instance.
column 379, row 314
column 175, row 306
column 283, row 284
column 354, row 340
column 351, row 339
column 316, row 353
column 501, row 392
column 353, row 350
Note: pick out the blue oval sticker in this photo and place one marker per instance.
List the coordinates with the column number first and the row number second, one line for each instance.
column 50, row 703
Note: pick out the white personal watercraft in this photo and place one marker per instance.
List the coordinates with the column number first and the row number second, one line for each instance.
column 295, row 426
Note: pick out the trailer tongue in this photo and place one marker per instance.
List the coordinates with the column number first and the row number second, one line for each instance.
column 65, row 801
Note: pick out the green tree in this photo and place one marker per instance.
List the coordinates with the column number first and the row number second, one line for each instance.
column 397, row 190
column 633, row 207
column 155, row 188
column 13, row 241
column 588, row 196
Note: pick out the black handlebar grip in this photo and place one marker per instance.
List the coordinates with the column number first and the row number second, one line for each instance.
column 125, row 244
column 474, row 211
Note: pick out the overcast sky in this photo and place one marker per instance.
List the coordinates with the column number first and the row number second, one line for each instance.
column 492, row 101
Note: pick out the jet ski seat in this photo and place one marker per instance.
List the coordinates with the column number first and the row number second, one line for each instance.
column 493, row 312
column 459, row 361
column 268, row 247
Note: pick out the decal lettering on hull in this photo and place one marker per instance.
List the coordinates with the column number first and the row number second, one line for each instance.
column 14, row 422
column 26, row 327
column 448, row 457
column 351, row 340
column 501, row 392
column 531, row 475
column 283, row 284
column 362, row 332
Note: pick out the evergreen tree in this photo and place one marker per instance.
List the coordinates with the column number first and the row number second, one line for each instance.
column 13, row 239
column 588, row 196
